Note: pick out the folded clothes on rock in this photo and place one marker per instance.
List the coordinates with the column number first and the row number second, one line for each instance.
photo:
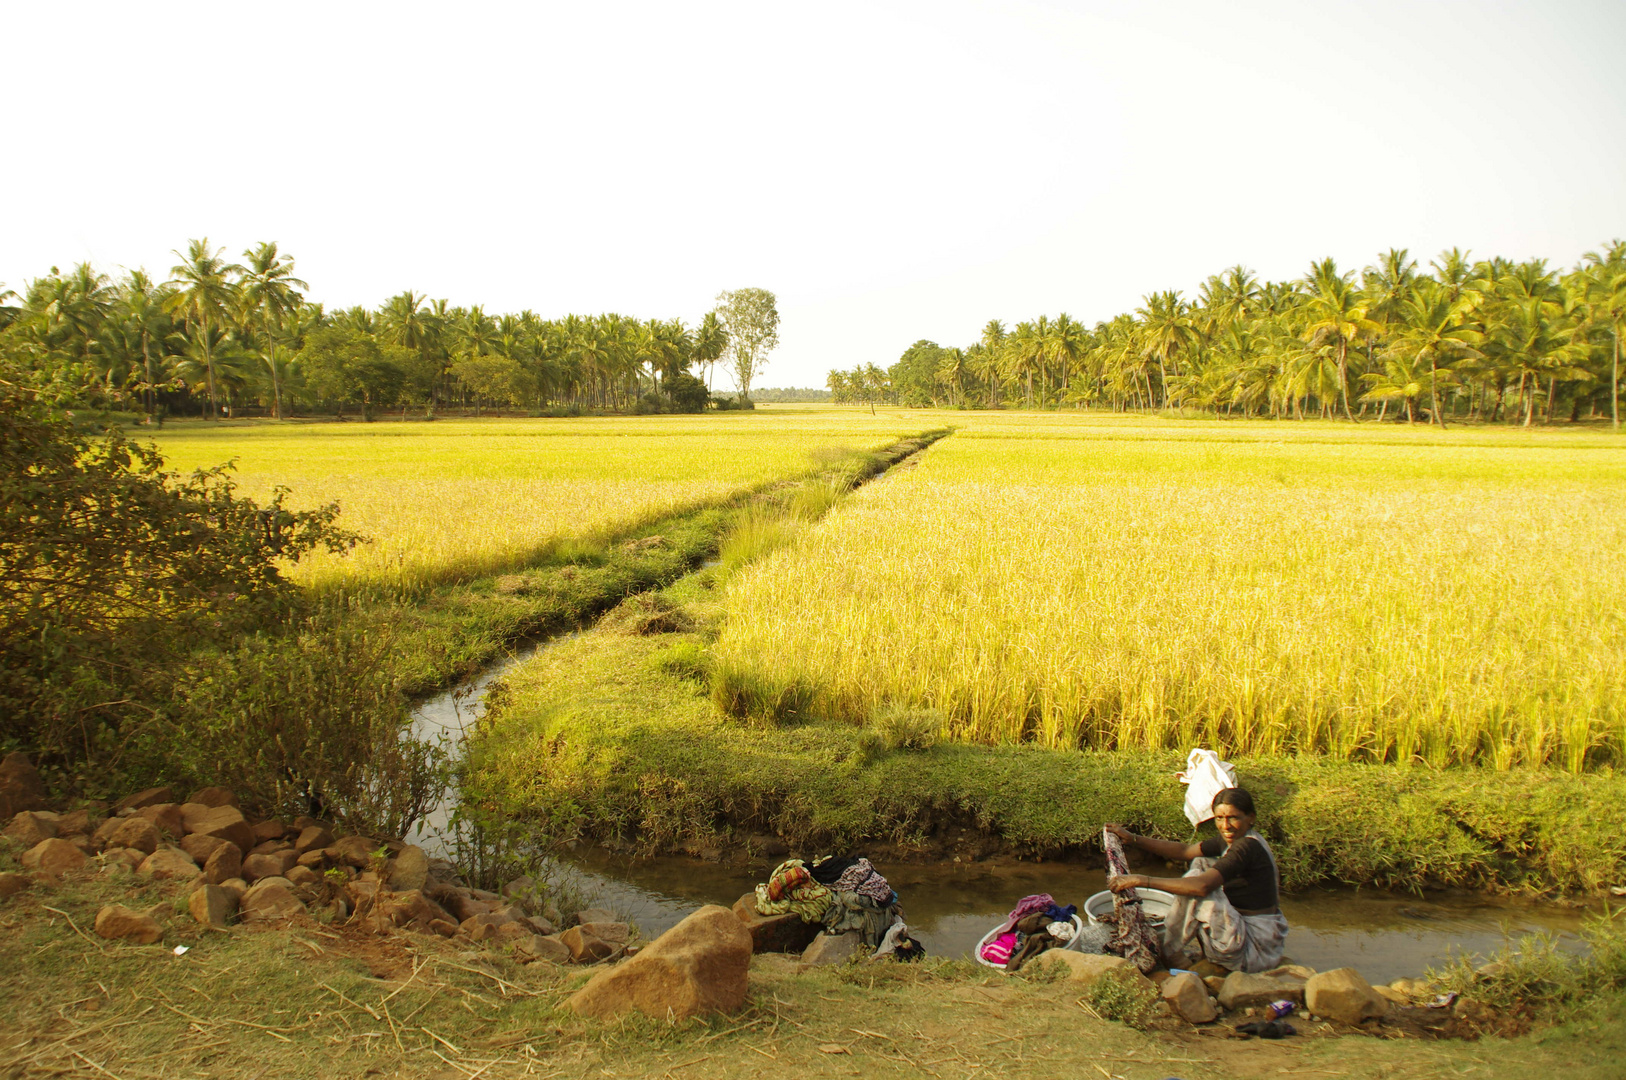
column 791, row 888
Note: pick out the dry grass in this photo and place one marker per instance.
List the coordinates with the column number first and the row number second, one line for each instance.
column 1394, row 596
column 469, row 498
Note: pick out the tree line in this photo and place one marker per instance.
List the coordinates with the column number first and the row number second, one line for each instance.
column 1488, row 340
column 218, row 335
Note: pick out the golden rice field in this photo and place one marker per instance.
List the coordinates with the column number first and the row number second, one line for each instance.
column 1373, row 593
column 462, row 498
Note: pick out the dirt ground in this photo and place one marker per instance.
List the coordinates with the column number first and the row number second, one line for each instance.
column 314, row 1000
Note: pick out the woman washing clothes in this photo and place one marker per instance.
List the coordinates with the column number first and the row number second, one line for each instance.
column 1226, row 904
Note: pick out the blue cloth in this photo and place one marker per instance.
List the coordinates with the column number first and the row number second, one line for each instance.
column 1062, row 914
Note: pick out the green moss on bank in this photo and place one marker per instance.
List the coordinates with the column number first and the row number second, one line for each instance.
column 605, row 732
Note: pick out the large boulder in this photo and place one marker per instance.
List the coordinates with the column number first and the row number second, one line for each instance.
column 774, row 933
column 213, row 905
column 133, row 832
column 1188, row 997
column 76, row 822
column 20, row 786
column 409, row 870
column 200, row 847
column 273, row 865
column 167, row 817
column 1244, row 991
column 832, row 948
column 699, row 966
column 271, row 899
column 585, row 946
column 269, row 829
column 117, row 922
column 544, row 947
column 354, row 851
column 214, row 796
column 312, row 838
column 171, row 864
column 29, row 827
column 1083, row 968
column 54, row 857
column 224, row 863
column 149, row 797
column 1342, row 995
column 226, row 822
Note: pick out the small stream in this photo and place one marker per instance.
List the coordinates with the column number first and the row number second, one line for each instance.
column 951, row 905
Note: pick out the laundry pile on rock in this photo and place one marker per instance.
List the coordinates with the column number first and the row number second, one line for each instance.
column 840, row 893
column 1035, row 924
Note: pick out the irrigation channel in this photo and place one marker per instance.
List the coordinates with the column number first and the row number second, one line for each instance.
column 951, row 905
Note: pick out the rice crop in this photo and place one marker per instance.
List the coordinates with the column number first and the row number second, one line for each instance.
column 461, row 499
column 1377, row 596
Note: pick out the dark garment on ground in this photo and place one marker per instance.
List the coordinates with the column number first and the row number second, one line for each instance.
column 829, row 871
column 1249, row 873
column 1035, row 939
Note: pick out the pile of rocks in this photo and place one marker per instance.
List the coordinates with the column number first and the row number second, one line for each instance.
column 238, row 868
column 1340, row 995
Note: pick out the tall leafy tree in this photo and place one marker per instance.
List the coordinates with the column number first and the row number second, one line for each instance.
column 204, row 295
column 751, row 318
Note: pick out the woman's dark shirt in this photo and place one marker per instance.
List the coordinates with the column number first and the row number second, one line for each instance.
column 1249, row 874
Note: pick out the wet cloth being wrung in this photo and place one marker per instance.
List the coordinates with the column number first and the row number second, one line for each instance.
column 1134, row 939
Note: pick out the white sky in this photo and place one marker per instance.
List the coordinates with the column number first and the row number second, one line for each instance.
column 892, row 171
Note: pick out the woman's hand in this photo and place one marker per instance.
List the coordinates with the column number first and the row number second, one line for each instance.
column 1126, row 881
column 1122, row 833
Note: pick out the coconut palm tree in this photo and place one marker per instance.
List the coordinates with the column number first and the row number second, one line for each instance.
column 204, row 295
column 267, row 295
column 1433, row 332
column 1167, row 332
column 1335, row 315
column 1605, row 292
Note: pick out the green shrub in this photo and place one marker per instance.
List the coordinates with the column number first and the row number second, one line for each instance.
column 903, row 728
column 1126, row 998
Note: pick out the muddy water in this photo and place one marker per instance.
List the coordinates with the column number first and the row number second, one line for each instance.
column 950, row 906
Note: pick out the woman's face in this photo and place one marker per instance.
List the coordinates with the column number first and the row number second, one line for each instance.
column 1232, row 823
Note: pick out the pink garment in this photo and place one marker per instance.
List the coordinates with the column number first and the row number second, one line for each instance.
column 1028, row 905
column 999, row 950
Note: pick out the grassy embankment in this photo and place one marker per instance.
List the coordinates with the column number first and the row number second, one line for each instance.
column 938, row 593
column 315, row 1000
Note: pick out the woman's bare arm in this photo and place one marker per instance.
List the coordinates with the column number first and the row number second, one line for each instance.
column 1198, row 885
column 1169, row 850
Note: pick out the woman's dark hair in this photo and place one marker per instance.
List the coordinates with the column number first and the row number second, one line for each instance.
column 1237, row 797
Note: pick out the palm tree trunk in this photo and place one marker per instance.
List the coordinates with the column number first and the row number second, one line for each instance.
column 1343, row 379
column 1434, row 395
column 1614, row 381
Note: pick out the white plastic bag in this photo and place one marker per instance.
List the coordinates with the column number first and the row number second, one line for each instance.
column 1205, row 776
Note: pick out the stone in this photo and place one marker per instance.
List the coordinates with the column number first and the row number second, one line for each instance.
column 269, row 829
column 1342, row 995
column 212, row 905
column 20, row 786
column 589, row 915
column 11, row 884
column 1243, row 991
column 831, row 948
column 214, row 796
column 30, row 827
column 313, row 859
column 480, row 927
column 123, row 858
column 413, row 908
column 354, row 851
column 520, row 886
column 361, row 891
column 150, row 797
column 410, row 869
column 83, row 843
column 1214, row 983
column 463, row 906
column 200, row 847
column 134, row 832
column 774, row 933
column 261, row 866
column 54, row 857
column 699, row 966
column 171, row 864
column 1297, row 970
column 538, row 925
column 1393, row 996
column 1188, row 997
column 76, row 823
column 616, row 933
column 303, row 875
column 226, row 822
column 167, row 817
column 544, row 947
column 224, row 862
column 585, row 947
column 1083, row 968
column 116, row 922
column 236, row 885
column 312, row 838
column 271, row 847
column 271, row 899
column 1410, row 988
column 443, row 927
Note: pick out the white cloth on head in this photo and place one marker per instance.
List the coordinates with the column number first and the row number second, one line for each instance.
column 1205, row 776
